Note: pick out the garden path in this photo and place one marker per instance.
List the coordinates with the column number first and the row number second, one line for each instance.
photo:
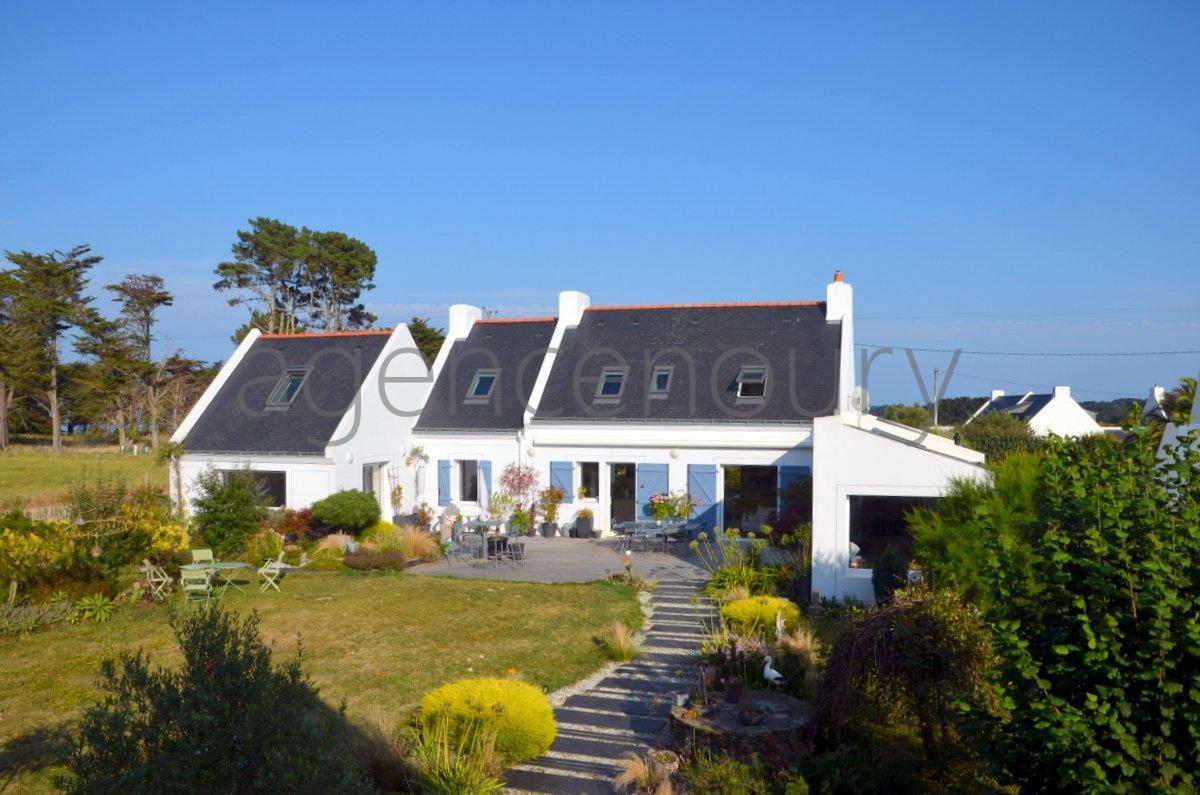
column 627, row 710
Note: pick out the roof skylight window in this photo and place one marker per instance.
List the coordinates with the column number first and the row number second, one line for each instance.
column 288, row 387
column 482, row 386
column 660, row 381
column 752, row 383
column 612, row 383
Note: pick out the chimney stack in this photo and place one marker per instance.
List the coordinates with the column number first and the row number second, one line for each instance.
column 997, row 393
column 1062, row 391
column 571, row 305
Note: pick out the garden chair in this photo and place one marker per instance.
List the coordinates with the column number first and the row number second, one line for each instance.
column 514, row 550
column 156, row 580
column 196, row 584
column 202, row 556
column 271, row 571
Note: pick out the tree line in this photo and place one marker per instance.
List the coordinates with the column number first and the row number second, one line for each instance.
column 63, row 364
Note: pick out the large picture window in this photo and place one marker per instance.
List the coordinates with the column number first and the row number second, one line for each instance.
column 273, row 484
column 877, row 523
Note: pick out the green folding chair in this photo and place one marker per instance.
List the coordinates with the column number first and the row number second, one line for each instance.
column 196, row 584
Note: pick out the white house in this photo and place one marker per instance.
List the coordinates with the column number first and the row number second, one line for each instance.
column 1055, row 412
column 310, row 414
column 735, row 404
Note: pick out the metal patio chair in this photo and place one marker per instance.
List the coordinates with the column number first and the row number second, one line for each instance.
column 157, row 580
column 196, row 584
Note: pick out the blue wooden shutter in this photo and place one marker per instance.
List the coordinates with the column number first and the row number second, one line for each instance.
column 485, row 476
column 788, row 477
column 651, row 479
column 443, row 482
column 562, row 475
column 702, row 486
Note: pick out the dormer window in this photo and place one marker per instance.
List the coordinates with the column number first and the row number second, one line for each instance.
column 288, row 387
column 612, row 384
column 752, row 383
column 482, row 386
column 660, row 381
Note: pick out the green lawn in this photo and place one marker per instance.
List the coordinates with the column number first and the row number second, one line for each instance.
column 37, row 477
column 378, row 640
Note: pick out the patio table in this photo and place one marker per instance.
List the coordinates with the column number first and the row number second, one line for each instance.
column 220, row 568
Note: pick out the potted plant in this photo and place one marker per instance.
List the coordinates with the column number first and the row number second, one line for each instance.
column 424, row 515
column 584, row 520
column 734, row 687
column 549, row 499
column 519, row 523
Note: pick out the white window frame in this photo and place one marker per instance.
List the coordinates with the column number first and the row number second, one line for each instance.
column 743, row 380
column 474, row 398
column 669, row 371
column 605, row 374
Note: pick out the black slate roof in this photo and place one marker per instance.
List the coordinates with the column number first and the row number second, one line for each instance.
column 515, row 348
column 237, row 421
column 1020, row 406
column 707, row 345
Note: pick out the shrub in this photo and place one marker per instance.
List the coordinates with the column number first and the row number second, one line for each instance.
column 723, row 775
column 392, row 560
column 999, row 434
column 291, row 524
column 757, row 614
column 924, row 656
column 20, row 619
column 518, row 713
column 456, row 761
column 549, row 499
column 1096, row 628
column 226, row 721
column 415, row 544
column 262, row 547
column 890, row 573
column 350, row 510
column 230, row 508
column 31, row 550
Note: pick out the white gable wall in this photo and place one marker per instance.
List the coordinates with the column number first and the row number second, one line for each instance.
column 1064, row 417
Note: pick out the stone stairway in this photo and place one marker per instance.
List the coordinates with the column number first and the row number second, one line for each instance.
column 627, row 710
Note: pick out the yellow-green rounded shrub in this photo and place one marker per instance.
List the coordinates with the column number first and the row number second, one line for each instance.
column 520, row 714
column 757, row 614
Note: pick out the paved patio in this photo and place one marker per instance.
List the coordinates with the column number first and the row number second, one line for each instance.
column 575, row 560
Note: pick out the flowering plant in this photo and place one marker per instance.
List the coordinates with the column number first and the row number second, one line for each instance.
column 674, row 505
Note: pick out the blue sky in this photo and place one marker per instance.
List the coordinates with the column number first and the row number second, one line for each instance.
column 1005, row 176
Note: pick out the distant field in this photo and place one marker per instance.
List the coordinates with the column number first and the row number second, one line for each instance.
column 32, row 474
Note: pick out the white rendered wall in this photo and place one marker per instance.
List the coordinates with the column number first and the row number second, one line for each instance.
column 308, row 478
column 378, row 426
column 861, row 455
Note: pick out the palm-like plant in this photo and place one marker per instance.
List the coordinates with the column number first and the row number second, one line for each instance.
column 1176, row 408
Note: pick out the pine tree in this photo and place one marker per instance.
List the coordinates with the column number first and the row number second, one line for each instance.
column 47, row 294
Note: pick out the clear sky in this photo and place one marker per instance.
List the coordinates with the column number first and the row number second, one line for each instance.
column 1000, row 176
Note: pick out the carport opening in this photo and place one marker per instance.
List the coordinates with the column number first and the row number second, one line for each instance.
column 751, row 496
column 879, row 522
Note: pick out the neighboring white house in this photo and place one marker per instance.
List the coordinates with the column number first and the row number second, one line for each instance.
column 1056, row 412
column 310, row 414
column 733, row 403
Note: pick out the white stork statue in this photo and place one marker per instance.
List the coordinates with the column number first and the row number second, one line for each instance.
column 772, row 676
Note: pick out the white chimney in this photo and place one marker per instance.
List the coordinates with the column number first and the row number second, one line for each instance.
column 462, row 317
column 1062, row 391
column 839, row 299
column 997, row 393
column 839, row 308
column 571, row 305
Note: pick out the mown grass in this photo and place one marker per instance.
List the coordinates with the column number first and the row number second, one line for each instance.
column 35, row 476
column 379, row 641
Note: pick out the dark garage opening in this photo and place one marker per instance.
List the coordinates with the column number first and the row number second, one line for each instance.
column 877, row 522
column 751, row 496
